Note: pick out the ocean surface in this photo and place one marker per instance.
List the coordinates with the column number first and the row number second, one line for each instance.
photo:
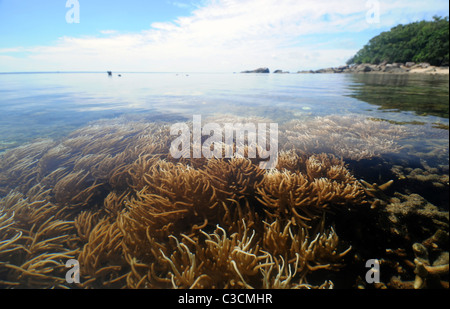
column 54, row 104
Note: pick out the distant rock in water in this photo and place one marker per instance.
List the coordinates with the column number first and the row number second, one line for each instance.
column 260, row 70
column 280, row 72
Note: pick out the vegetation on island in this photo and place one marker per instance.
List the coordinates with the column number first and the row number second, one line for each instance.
column 424, row 41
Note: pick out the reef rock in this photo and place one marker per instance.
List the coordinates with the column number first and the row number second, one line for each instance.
column 412, row 214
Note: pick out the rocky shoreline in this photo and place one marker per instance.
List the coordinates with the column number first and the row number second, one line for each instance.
column 384, row 67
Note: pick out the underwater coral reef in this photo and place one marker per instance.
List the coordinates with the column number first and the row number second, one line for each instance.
column 110, row 196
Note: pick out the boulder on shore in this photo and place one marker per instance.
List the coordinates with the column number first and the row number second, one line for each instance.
column 260, row 70
column 394, row 68
column 363, row 68
column 326, row 70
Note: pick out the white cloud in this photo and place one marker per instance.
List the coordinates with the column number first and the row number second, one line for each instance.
column 180, row 5
column 229, row 35
column 11, row 50
column 108, row 31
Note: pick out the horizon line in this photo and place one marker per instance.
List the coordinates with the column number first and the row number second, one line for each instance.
column 106, row 71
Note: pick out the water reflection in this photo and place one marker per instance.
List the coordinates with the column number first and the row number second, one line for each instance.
column 53, row 105
column 425, row 95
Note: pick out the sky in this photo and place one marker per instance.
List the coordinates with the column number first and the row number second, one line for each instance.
column 195, row 35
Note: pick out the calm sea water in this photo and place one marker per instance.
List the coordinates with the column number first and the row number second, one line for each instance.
column 54, row 104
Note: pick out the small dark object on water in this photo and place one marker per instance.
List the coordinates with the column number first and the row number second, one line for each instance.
column 109, row 73
column 120, row 75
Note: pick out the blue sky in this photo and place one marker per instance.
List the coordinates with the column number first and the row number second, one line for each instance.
column 197, row 35
column 36, row 22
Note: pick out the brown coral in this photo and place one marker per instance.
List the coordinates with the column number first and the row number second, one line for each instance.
column 111, row 196
column 305, row 196
column 350, row 137
column 43, row 241
column 244, row 260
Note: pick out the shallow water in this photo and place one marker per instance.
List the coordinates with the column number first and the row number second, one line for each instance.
column 64, row 182
column 51, row 105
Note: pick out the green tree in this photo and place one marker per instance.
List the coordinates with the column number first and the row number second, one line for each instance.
column 424, row 41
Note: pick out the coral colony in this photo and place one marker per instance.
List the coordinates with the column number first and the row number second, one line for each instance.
column 111, row 197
